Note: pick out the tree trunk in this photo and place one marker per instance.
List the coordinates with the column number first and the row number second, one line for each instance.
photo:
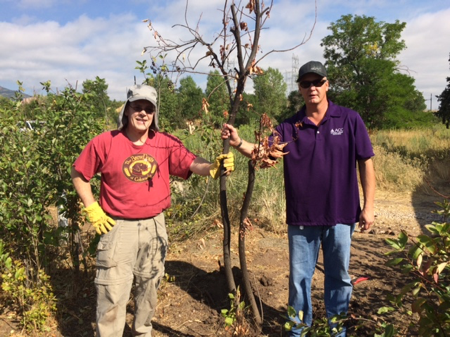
column 242, row 233
column 226, row 226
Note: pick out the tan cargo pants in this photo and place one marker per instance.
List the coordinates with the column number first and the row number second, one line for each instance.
column 132, row 250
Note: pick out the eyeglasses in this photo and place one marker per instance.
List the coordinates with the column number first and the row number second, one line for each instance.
column 316, row 83
column 138, row 108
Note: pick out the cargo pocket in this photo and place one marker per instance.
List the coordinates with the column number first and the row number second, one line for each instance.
column 107, row 247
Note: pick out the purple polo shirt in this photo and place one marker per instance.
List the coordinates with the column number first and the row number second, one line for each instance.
column 320, row 173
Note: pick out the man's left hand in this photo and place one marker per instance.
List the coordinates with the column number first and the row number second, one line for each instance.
column 366, row 220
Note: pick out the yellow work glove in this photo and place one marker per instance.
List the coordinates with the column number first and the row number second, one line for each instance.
column 228, row 164
column 98, row 218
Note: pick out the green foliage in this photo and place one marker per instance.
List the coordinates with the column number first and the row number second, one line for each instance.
column 36, row 168
column 217, row 97
column 167, row 103
column 426, row 259
column 361, row 62
column 189, row 101
column 247, row 114
column 389, row 331
column 230, row 314
column 167, row 97
column 35, row 178
column 19, row 94
column 97, row 99
column 197, row 198
column 295, row 102
column 5, row 259
column 270, row 91
column 405, row 105
column 33, row 302
column 235, row 321
column 113, row 114
column 444, row 105
column 320, row 327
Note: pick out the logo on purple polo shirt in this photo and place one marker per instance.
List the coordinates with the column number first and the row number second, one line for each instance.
column 337, row 131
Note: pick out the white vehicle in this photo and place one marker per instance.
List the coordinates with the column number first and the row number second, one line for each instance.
column 30, row 125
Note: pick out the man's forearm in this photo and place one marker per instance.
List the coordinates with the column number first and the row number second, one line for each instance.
column 200, row 166
column 368, row 182
column 83, row 188
column 244, row 147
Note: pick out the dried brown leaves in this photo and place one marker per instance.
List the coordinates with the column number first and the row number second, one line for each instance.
column 266, row 154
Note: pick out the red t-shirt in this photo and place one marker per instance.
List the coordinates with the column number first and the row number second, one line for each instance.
column 134, row 179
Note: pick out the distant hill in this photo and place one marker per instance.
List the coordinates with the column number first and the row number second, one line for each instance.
column 10, row 93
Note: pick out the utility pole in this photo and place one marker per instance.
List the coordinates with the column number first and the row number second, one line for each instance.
column 291, row 75
column 231, row 68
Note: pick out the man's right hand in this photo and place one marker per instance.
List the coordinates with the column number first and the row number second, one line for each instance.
column 228, row 164
column 98, row 218
column 229, row 131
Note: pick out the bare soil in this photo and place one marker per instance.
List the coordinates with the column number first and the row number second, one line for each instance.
column 194, row 291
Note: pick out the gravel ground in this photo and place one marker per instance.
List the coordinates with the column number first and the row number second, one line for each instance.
column 404, row 211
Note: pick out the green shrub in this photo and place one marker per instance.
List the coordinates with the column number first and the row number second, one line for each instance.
column 35, row 179
column 426, row 259
column 34, row 302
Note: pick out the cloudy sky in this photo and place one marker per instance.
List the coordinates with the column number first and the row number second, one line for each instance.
column 69, row 41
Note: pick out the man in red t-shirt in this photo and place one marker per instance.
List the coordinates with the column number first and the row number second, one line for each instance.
column 135, row 162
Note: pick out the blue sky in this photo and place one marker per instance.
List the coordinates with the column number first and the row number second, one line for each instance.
column 69, row 41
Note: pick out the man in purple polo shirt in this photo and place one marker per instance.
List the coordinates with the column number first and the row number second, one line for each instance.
column 324, row 143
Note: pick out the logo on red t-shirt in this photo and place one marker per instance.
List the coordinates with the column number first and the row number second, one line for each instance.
column 139, row 167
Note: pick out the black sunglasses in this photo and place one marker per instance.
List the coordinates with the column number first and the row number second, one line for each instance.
column 316, row 83
column 138, row 108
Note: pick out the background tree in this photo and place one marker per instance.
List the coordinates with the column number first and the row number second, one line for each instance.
column 167, row 101
column 270, row 91
column 294, row 103
column 444, row 106
column 218, row 97
column 169, row 116
column 189, row 100
column 405, row 105
column 35, row 168
column 247, row 114
column 363, row 70
column 98, row 100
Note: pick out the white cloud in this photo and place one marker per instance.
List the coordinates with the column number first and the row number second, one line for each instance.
column 35, row 50
column 427, row 53
column 79, row 50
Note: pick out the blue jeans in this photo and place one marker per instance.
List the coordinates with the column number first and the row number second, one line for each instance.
column 304, row 245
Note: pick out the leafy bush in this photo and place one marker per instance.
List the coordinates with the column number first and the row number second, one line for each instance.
column 426, row 259
column 35, row 179
column 33, row 302
column 235, row 320
column 319, row 327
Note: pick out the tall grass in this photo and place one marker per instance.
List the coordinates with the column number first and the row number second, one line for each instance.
column 396, row 173
column 195, row 202
column 405, row 161
column 411, row 160
column 434, row 142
